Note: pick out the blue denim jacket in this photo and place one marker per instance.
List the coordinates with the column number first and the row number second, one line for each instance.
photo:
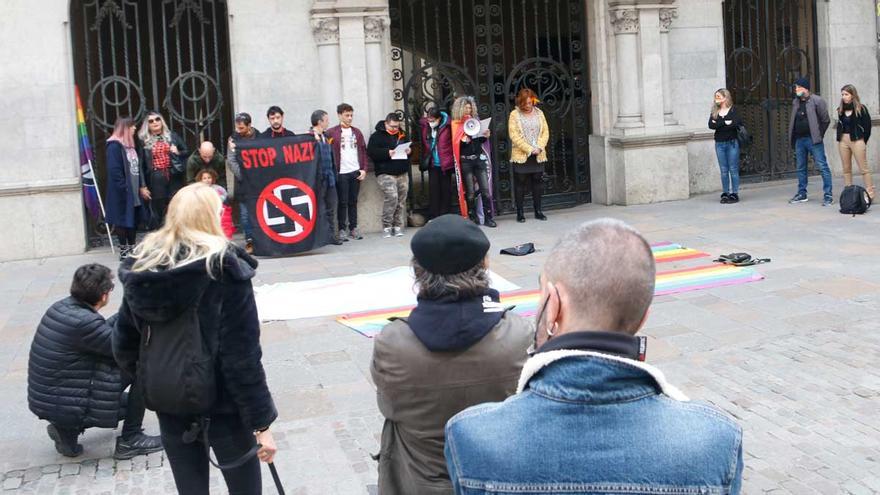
column 593, row 423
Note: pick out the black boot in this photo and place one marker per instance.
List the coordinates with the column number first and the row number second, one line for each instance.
column 538, row 213
column 487, row 215
column 520, row 216
column 136, row 444
column 472, row 212
column 65, row 440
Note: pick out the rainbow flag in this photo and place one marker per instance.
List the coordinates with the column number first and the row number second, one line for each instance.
column 525, row 302
column 667, row 251
column 86, row 158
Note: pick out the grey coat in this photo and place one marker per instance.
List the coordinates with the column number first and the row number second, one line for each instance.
column 419, row 390
column 817, row 116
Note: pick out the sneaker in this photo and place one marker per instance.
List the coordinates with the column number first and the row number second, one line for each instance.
column 65, row 441
column 827, row 201
column 386, row 232
column 398, row 231
column 798, row 198
column 343, row 235
column 356, row 234
column 249, row 246
column 137, row 444
column 733, row 198
column 725, row 198
column 336, row 241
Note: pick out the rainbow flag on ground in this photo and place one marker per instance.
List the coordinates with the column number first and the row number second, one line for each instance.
column 369, row 323
column 668, row 251
column 86, row 159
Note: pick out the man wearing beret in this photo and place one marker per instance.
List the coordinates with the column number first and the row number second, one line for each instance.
column 459, row 347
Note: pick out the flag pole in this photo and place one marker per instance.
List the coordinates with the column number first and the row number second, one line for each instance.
column 101, row 204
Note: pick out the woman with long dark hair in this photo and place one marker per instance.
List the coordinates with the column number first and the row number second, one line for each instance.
column 165, row 156
column 188, row 272
column 725, row 120
column 853, row 132
column 126, row 188
column 529, row 134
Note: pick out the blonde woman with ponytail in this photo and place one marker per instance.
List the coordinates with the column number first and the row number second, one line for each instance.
column 725, row 121
column 188, row 263
column 853, row 132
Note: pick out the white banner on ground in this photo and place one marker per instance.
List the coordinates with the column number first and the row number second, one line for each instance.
column 336, row 296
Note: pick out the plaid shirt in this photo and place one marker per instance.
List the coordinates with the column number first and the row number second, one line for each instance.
column 161, row 156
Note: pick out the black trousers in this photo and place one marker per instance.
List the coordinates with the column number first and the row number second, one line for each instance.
column 347, row 189
column 331, row 201
column 533, row 181
column 229, row 438
column 158, row 210
column 440, row 186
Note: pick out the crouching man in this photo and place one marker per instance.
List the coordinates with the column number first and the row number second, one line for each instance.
column 73, row 381
column 459, row 347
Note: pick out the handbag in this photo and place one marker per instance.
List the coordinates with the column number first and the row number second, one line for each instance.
column 743, row 136
column 427, row 158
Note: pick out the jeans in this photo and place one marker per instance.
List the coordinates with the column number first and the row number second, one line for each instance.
column 478, row 171
column 394, row 189
column 439, row 191
column 331, row 199
column 347, row 188
column 245, row 219
column 229, row 438
column 805, row 145
column 728, row 162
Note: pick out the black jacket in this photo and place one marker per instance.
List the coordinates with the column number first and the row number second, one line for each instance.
column 227, row 307
column 861, row 126
column 161, row 188
column 380, row 144
column 73, row 380
column 724, row 131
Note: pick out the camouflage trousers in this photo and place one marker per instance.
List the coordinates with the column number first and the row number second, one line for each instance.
column 394, row 189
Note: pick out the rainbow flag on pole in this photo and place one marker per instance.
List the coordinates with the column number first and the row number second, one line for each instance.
column 86, row 158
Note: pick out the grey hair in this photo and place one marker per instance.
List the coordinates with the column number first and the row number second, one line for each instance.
column 608, row 269
column 469, row 283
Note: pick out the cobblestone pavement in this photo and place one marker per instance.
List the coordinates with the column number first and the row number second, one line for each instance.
column 793, row 357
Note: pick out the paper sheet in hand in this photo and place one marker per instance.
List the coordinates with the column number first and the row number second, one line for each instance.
column 343, row 295
column 400, row 151
column 484, row 125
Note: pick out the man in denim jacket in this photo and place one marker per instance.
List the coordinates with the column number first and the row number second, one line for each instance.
column 589, row 416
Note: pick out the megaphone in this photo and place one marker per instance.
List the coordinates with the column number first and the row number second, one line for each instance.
column 472, row 127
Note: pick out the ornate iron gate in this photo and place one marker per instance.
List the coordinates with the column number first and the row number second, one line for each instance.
column 490, row 49
column 171, row 56
column 769, row 44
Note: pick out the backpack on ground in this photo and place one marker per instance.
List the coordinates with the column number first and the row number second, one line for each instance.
column 854, row 200
column 176, row 367
column 740, row 259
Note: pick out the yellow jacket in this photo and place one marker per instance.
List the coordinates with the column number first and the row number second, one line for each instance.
column 520, row 149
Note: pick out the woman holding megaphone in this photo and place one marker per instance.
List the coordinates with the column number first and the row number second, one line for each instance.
column 529, row 134
column 470, row 147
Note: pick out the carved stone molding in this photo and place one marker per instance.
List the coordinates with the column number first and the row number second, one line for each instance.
column 625, row 21
column 374, row 27
column 666, row 17
column 325, row 30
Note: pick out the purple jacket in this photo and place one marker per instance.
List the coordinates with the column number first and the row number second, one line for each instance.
column 444, row 141
column 335, row 135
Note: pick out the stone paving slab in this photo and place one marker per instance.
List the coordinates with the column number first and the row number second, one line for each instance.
column 792, row 357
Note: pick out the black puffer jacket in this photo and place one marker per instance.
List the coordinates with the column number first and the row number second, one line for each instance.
column 73, row 380
column 227, row 307
column 380, row 144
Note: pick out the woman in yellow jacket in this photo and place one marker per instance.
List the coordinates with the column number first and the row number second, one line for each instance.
column 529, row 134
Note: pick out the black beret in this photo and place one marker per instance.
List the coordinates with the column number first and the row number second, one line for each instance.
column 449, row 244
column 802, row 82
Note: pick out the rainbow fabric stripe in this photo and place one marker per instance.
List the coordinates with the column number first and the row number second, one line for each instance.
column 369, row 323
column 86, row 159
column 667, row 251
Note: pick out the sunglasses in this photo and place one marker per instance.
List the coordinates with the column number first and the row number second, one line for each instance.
column 152, row 120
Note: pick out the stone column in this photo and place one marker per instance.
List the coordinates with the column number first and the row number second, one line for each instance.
column 626, row 28
column 374, row 32
column 651, row 61
column 666, row 17
column 326, row 33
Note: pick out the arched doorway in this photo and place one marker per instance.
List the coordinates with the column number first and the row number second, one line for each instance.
column 768, row 44
column 490, row 49
column 171, row 56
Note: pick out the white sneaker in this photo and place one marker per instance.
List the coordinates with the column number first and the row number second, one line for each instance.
column 398, row 231
column 386, row 232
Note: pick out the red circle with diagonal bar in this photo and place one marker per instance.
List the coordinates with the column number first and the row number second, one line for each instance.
column 272, row 194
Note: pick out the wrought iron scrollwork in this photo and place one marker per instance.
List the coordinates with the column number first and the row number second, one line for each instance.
column 112, row 96
column 109, row 8
column 201, row 94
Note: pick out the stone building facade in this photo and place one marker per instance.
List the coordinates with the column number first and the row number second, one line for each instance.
column 651, row 69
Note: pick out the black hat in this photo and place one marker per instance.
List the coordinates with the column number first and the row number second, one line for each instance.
column 449, row 244
column 803, row 82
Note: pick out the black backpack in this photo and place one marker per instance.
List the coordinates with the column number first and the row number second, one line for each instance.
column 854, row 200
column 176, row 367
